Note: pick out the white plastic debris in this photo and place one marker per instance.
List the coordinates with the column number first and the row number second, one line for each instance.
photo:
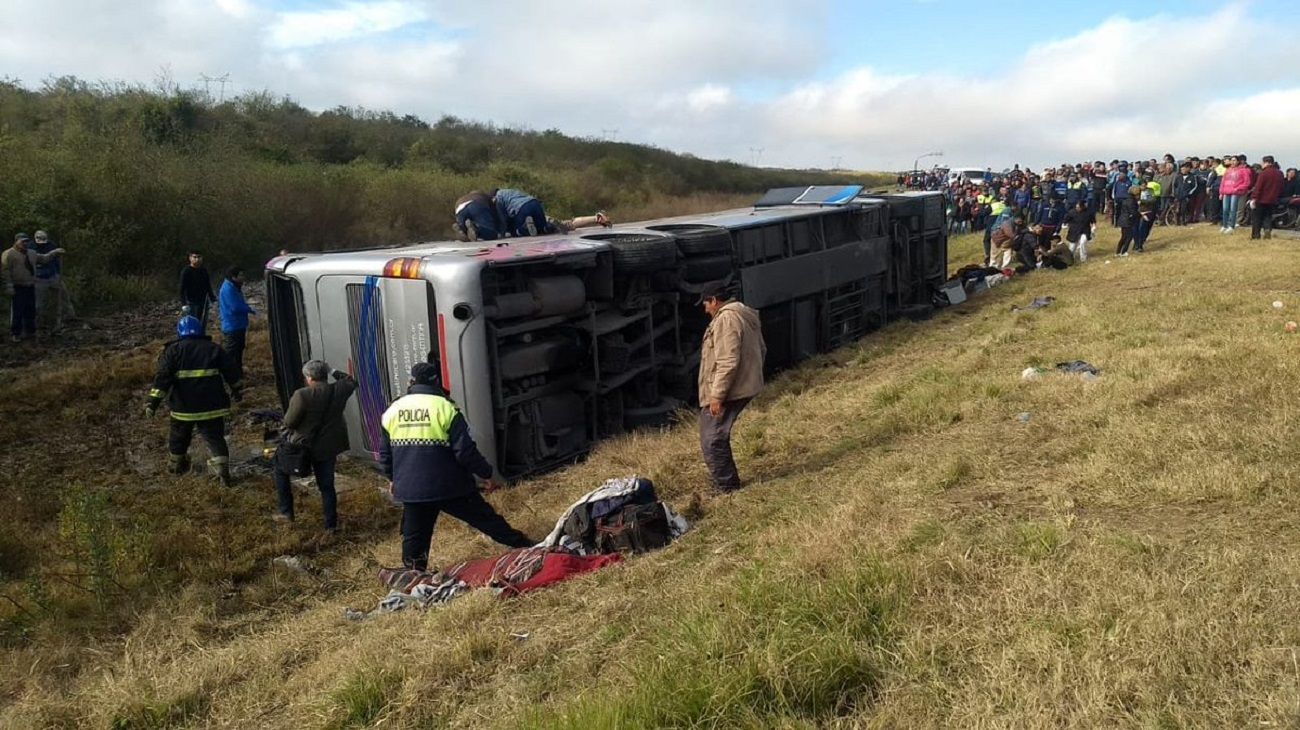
column 1278, row 304
column 1031, row 373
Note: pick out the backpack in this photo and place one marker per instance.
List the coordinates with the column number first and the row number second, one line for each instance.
column 582, row 523
column 636, row 528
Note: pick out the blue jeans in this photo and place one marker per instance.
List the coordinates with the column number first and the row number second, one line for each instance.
column 1143, row 230
column 1231, row 206
column 324, row 471
column 531, row 209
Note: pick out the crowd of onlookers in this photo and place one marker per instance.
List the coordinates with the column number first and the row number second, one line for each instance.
column 1034, row 219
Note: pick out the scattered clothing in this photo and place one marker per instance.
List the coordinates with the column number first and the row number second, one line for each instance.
column 510, row 574
column 1038, row 303
column 1077, row 366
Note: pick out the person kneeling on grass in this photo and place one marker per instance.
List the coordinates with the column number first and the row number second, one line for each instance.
column 1056, row 256
column 1027, row 248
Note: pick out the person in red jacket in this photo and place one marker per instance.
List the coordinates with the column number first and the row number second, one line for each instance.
column 1264, row 195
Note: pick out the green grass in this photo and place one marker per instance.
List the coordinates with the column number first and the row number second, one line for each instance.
column 363, row 696
column 786, row 651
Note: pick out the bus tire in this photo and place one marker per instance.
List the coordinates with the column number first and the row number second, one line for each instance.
column 696, row 240
column 706, row 268
column 637, row 252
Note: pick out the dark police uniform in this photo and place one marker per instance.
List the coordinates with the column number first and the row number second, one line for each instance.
column 427, row 452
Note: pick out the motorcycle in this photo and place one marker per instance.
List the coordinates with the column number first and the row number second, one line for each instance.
column 1287, row 213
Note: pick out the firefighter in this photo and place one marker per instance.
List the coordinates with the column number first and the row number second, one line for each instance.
column 193, row 373
column 431, row 461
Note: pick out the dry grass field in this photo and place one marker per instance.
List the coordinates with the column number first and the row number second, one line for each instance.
column 911, row 550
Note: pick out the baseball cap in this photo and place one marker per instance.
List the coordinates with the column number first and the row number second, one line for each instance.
column 713, row 290
column 22, row 237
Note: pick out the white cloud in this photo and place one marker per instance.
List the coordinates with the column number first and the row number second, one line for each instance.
column 298, row 29
column 240, row 9
column 709, row 97
column 687, row 76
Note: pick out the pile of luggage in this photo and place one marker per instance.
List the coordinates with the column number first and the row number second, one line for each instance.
column 621, row 517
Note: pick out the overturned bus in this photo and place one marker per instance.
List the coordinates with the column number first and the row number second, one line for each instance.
column 549, row 344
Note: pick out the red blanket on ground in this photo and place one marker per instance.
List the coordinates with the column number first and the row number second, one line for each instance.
column 514, row 572
column 527, row 569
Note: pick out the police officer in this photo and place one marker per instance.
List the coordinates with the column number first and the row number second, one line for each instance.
column 193, row 373
column 430, row 460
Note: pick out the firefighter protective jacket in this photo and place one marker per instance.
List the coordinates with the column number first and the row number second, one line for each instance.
column 426, row 450
column 193, row 373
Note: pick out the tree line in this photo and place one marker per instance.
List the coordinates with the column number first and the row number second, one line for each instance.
column 130, row 178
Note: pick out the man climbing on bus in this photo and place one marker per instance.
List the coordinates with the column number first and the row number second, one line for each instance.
column 477, row 217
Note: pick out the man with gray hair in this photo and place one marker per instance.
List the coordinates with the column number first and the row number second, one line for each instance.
column 314, row 435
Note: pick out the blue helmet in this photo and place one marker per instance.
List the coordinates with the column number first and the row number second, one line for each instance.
column 189, row 326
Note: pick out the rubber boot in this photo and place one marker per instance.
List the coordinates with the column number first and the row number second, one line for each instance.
column 220, row 468
column 180, row 463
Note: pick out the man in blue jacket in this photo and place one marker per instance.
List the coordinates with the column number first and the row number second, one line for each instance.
column 426, row 452
column 234, row 317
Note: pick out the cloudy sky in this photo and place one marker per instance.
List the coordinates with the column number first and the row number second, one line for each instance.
column 868, row 84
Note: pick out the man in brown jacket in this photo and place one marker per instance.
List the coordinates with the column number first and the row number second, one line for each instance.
column 314, row 420
column 731, row 374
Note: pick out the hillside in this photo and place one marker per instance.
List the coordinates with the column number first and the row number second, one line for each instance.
column 131, row 179
column 927, row 541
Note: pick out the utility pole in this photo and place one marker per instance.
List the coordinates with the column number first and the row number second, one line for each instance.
column 835, row 162
column 208, row 80
column 610, row 135
column 756, row 154
column 917, row 161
